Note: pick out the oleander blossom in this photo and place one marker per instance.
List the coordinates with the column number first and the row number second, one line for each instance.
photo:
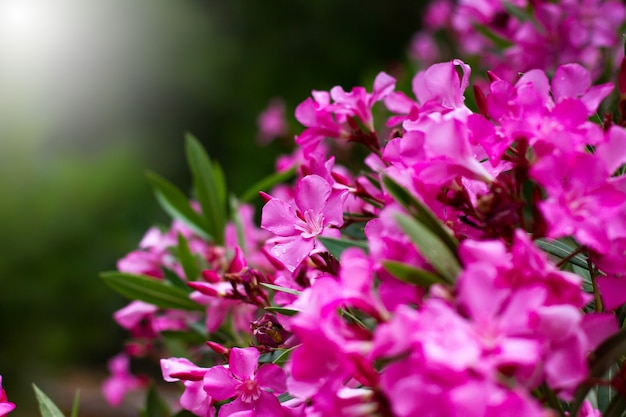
column 317, row 211
column 254, row 389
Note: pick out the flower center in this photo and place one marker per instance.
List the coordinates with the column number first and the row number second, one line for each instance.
column 311, row 224
column 248, row 391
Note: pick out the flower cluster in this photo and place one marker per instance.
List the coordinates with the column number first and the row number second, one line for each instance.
column 473, row 265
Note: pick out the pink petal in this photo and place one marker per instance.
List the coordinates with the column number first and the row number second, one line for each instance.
column 312, row 192
column 279, row 218
column 268, row 406
column 243, row 362
column 293, row 251
column 570, row 81
column 237, row 408
column 273, row 377
column 613, row 291
column 384, row 84
column 219, row 383
column 176, row 366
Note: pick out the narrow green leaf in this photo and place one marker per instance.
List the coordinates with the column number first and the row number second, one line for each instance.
column 187, row 260
column 177, row 205
column 284, row 356
column 337, row 246
column 601, row 360
column 282, row 310
column 412, row 275
column 220, row 182
column 420, row 211
column 236, row 218
column 562, row 250
column 155, row 406
column 267, row 183
column 430, row 247
column 498, row 41
column 281, row 289
column 76, row 404
column 517, row 12
column 616, row 407
column 173, row 278
column 206, row 189
column 47, row 408
column 150, row 290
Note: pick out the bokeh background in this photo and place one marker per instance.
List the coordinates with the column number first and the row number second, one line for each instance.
column 95, row 92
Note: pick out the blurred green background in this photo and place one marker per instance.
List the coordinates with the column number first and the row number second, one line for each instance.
column 94, row 93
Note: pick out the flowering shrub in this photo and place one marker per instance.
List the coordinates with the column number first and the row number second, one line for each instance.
column 473, row 265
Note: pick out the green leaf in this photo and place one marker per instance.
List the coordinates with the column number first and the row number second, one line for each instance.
column 177, row 205
column 267, row 183
column 498, row 41
column 76, row 404
column 412, row 275
column 281, row 289
column 284, row 356
column 616, row 407
column 517, row 12
column 601, row 360
column 420, row 212
column 150, row 290
column 430, row 247
column 562, row 250
column 337, row 246
column 173, row 278
column 187, row 260
column 46, row 407
column 210, row 194
column 220, row 182
column 155, row 406
column 282, row 310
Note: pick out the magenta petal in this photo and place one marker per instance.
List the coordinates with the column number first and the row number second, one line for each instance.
column 268, row 406
column 237, row 408
column 613, row 291
column 219, row 383
column 243, row 362
column 312, row 192
column 176, row 366
column 279, row 218
column 292, row 252
column 273, row 377
column 570, row 81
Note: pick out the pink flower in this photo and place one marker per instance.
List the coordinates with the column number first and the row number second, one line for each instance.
column 121, row 380
column 5, row 406
column 255, row 389
column 317, row 209
column 194, row 399
column 271, row 121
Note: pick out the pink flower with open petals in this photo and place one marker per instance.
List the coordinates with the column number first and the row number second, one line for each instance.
column 317, row 209
column 255, row 389
column 121, row 380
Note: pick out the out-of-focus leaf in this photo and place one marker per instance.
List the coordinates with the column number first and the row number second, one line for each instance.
column 601, row 360
column 517, row 12
column 337, row 246
column 282, row 310
column 150, row 290
column 155, row 406
column 76, row 404
column 284, row 356
column 47, row 408
column 430, row 247
column 562, row 250
column 174, row 279
column 421, row 213
column 606, row 392
column 236, row 218
column 211, row 195
column 616, row 407
column 499, row 42
column 177, row 205
column 412, row 275
column 267, row 183
column 187, row 260
column 191, row 337
column 281, row 289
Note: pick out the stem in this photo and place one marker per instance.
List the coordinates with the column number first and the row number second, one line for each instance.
column 563, row 261
column 593, row 272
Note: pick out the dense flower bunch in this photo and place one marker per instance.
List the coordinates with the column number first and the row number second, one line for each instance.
column 508, row 37
column 473, row 265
